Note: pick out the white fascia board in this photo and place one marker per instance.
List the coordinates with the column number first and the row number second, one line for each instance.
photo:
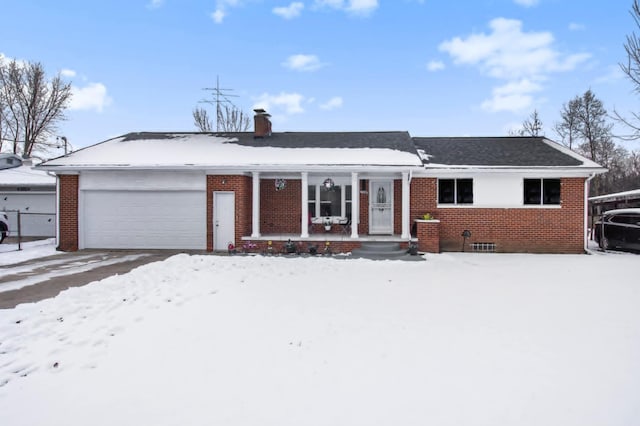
column 240, row 169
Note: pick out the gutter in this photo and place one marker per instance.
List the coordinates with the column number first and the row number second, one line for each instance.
column 586, row 212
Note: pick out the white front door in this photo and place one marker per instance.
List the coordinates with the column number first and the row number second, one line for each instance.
column 381, row 207
column 224, row 223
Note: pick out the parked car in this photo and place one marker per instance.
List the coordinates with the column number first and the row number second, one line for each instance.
column 619, row 229
column 4, row 226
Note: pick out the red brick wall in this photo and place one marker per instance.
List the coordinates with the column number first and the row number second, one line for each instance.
column 242, row 186
column 280, row 211
column 536, row 230
column 68, row 214
column 363, row 227
column 397, row 207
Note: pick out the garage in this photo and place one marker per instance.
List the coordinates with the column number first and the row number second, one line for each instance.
column 143, row 219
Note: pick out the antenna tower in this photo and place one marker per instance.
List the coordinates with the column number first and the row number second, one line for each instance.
column 220, row 96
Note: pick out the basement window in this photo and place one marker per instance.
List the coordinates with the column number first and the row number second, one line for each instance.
column 542, row 191
column 483, row 247
column 455, row 191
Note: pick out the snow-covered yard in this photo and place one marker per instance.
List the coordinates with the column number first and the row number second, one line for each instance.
column 461, row 339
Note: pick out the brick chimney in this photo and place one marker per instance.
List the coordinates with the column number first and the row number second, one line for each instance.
column 262, row 123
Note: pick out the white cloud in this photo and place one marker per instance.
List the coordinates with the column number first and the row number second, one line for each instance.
column 574, row 26
column 356, row 7
column 435, row 66
column 222, row 7
column 289, row 12
column 303, row 63
column 614, row 73
column 333, row 103
column 68, row 73
column 287, row 103
column 527, row 3
column 508, row 53
column 154, row 4
column 513, row 96
column 91, row 97
column 218, row 16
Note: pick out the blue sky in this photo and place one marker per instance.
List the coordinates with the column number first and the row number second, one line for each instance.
column 434, row 68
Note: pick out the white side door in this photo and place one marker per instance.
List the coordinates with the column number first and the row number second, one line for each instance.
column 381, row 207
column 224, row 223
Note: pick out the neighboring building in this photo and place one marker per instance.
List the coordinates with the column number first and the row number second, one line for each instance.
column 206, row 191
column 32, row 192
column 618, row 200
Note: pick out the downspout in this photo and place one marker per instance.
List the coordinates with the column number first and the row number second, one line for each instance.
column 586, row 211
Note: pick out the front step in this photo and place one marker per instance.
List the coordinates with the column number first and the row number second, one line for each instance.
column 382, row 251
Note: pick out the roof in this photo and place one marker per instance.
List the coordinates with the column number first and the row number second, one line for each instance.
column 26, row 176
column 497, row 152
column 633, row 194
column 148, row 149
column 297, row 150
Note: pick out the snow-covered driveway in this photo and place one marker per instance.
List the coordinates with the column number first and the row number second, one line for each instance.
column 461, row 339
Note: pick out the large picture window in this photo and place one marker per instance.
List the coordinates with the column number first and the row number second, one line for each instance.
column 542, row 191
column 334, row 202
column 455, row 191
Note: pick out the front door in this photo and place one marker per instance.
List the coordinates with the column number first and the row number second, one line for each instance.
column 224, row 224
column 381, row 207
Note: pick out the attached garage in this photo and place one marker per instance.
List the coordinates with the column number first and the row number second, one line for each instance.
column 128, row 212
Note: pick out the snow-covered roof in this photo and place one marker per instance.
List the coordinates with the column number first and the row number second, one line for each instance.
column 25, row 175
column 635, row 193
column 241, row 150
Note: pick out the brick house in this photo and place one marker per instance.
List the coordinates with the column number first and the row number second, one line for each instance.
column 209, row 191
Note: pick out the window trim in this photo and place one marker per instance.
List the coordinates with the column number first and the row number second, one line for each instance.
column 455, row 193
column 318, row 203
column 542, row 202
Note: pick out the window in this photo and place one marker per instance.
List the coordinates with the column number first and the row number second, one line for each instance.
column 335, row 202
column 541, row 191
column 455, row 191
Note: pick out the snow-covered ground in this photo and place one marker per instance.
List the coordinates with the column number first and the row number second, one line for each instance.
column 461, row 339
column 9, row 253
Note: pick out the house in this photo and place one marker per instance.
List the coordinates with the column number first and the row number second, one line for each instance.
column 210, row 191
column 30, row 192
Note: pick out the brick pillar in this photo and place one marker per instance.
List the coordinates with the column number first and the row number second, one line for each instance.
column 428, row 232
column 68, row 213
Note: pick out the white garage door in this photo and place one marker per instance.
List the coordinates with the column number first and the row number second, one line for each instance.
column 144, row 219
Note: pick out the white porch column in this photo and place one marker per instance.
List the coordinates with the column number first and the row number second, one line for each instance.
column 406, row 205
column 255, row 211
column 304, row 222
column 355, row 204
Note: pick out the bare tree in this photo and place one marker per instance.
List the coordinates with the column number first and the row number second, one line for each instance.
column 593, row 128
column 34, row 105
column 228, row 119
column 202, row 120
column 232, row 119
column 532, row 126
column 567, row 128
column 631, row 68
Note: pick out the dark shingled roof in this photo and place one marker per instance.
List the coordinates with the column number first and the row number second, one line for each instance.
column 400, row 141
column 493, row 151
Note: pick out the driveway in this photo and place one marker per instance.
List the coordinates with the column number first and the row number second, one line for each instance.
column 38, row 279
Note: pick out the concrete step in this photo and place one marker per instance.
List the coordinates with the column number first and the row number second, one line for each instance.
column 382, row 251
